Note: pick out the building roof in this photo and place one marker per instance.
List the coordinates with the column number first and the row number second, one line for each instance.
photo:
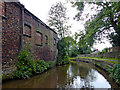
column 21, row 5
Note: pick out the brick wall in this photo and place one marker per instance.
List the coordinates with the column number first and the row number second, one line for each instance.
column 20, row 28
column 11, row 27
column 39, row 30
column 0, row 37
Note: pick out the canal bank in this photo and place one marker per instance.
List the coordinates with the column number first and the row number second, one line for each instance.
column 74, row 75
column 112, row 69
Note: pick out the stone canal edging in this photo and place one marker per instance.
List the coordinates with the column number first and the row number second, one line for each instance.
column 103, row 65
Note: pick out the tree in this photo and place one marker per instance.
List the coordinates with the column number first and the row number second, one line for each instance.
column 69, row 41
column 58, row 19
column 84, row 47
column 62, row 57
column 80, row 46
column 105, row 23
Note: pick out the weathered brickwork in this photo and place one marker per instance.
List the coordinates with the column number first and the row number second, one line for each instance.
column 11, row 27
column 19, row 29
column 0, row 36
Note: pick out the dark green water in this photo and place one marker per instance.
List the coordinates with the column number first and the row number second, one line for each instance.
column 80, row 75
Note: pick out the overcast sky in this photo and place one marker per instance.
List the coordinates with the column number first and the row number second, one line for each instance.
column 40, row 8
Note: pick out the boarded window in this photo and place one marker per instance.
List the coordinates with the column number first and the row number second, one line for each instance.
column 27, row 30
column 46, row 39
column 54, row 41
column 39, row 38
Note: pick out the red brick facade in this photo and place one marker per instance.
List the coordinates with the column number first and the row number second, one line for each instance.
column 19, row 28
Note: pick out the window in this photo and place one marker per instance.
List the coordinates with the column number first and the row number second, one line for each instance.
column 39, row 38
column 54, row 41
column 27, row 30
column 3, row 9
column 46, row 39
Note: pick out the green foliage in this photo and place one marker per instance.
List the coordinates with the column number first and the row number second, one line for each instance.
column 62, row 57
column 24, row 65
column 69, row 44
column 108, row 69
column 84, row 47
column 58, row 19
column 51, row 64
column 41, row 65
column 115, row 72
column 80, row 7
column 73, row 51
column 104, row 24
column 115, row 39
column 1, row 75
column 27, row 67
column 98, row 65
column 104, row 50
column 99, row 52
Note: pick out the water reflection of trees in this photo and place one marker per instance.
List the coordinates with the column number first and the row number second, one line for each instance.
column 86, row 73
column 62, row 76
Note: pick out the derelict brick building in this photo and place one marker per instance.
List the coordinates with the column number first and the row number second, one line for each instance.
column 20, row 28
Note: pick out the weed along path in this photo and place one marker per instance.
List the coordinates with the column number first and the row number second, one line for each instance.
column 74, row 75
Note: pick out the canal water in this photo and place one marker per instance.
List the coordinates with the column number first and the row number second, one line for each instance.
column 74, row 75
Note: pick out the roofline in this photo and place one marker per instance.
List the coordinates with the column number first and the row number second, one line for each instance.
column 22, row 6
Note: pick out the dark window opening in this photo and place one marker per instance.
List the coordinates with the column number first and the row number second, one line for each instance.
column 46, row 39
column 54, row 41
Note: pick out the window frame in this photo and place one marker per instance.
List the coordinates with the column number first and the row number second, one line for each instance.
column 38, row 43
column 25, row 34
column 46, row 39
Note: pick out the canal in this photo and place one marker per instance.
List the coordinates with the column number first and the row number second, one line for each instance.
column 74, row 75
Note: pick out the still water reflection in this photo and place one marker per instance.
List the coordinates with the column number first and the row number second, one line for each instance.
column 80, row 75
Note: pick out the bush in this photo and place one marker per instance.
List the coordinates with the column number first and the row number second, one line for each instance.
column 24, row 65
column 50, row 63
column 115, row 72
column 41, row 65
column 27, row 67
column 107, row 68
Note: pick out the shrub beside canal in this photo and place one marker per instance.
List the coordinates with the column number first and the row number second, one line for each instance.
column 26, row 66
column 115, row 73
column 112, row 69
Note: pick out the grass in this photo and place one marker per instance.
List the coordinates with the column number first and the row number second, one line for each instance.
column 72, row 62
column 72, row 57
column 98, row 58
column 102, row 59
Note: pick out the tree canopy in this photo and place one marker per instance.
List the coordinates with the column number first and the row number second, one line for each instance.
column 58, row 19
column 105, row 24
